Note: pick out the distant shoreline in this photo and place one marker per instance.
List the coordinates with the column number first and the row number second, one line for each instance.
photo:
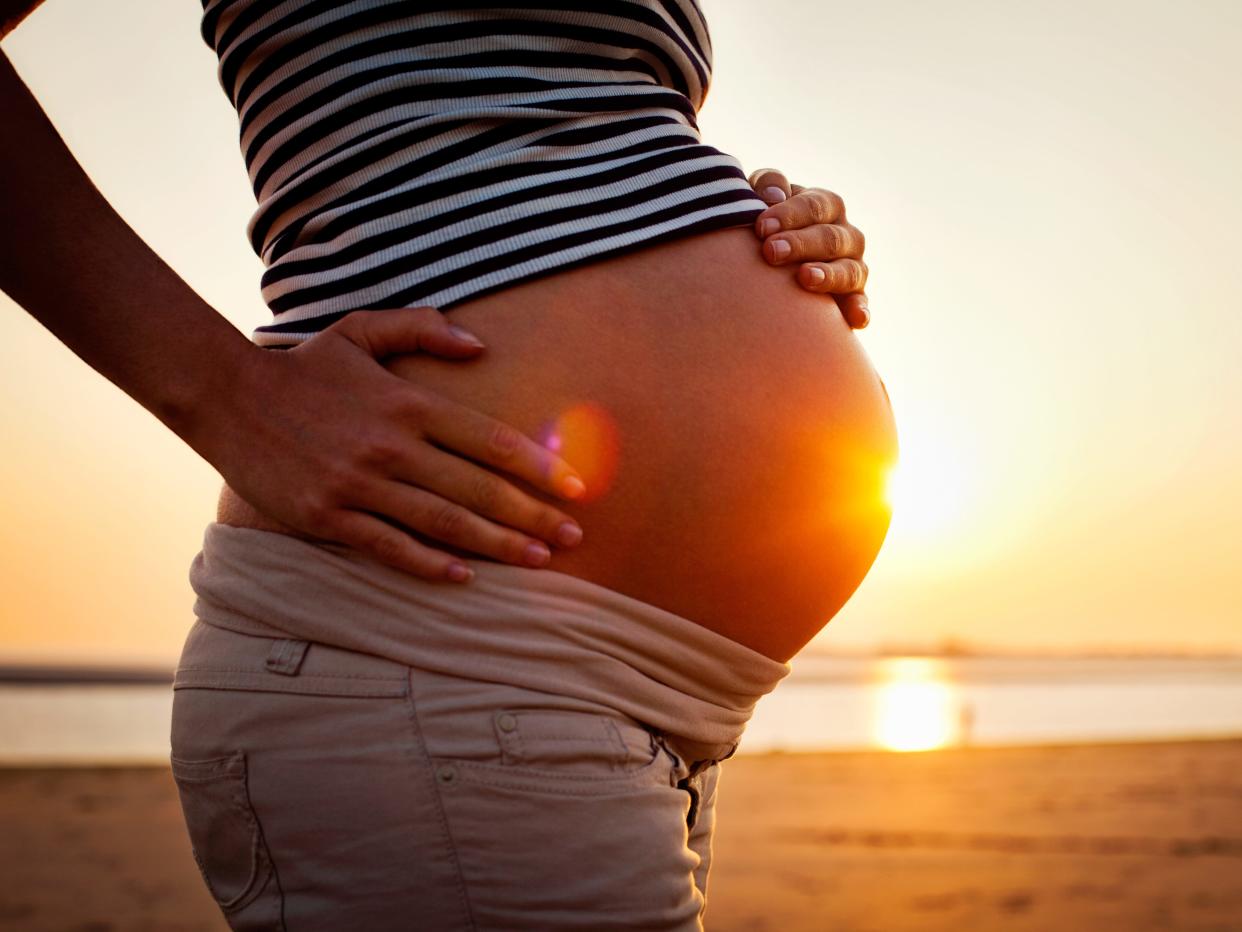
column 48, row 675
column 73, row 674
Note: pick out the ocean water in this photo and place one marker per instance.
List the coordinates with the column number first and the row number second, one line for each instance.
column 827, row 703
column 918, row 703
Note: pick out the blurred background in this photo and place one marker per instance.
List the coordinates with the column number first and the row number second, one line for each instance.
column 1050, row 194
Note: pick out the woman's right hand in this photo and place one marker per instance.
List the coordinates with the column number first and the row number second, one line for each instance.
column 324, row 439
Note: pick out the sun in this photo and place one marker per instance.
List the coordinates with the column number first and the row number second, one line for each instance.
column 931, row 486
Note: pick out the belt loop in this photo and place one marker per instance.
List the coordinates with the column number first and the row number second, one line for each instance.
column 286, row 655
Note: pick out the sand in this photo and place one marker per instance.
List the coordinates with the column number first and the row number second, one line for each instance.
column 1124, row 837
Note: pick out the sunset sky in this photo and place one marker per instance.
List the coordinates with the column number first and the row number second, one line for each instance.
column 1051, row 198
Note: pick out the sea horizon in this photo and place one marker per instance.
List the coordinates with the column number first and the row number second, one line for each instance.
column 40, row 669
column 55, row 714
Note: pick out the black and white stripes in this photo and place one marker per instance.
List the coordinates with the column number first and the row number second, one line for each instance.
column 407, row 153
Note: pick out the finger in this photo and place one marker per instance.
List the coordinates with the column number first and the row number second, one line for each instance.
column 770, row 184
column 854, row 309
column 805, row 208
column 839, row 277
column 487, row 494
column 406, row 330
column 389, row 545
column 446, row 521
column 820, row 243
column 486, row 440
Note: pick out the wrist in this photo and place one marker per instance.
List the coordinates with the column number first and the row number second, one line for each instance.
column 202, row 404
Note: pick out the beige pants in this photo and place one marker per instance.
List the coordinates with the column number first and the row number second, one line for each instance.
column 360, row 749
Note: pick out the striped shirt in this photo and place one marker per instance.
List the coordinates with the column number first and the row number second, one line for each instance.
column 408, row 153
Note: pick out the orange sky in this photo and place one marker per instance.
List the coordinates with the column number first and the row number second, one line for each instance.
column 1050, row 200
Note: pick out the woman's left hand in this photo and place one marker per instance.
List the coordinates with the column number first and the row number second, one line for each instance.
column 807, row 226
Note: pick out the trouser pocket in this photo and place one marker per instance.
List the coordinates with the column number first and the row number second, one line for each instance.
column 228, row 842
column 314, row 750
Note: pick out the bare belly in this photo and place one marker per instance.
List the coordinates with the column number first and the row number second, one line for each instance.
column 747, row 434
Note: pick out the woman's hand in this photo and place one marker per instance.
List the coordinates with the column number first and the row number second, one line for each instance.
column 324, row 439
column 808, row 226
column 321, row 438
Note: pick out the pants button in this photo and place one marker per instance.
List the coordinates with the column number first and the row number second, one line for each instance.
column 507, row 721
column 446, row 773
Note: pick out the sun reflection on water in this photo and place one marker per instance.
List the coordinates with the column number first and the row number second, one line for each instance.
column 917, row 705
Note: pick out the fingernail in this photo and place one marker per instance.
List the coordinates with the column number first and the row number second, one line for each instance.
column 568, row 534
column 815, row 274
column 459, row 572
column 466, row 335
column 866, row 317
column 780, row 249
column 572, row 486
column 537, row 554
column 769, row 226
column 772, row 195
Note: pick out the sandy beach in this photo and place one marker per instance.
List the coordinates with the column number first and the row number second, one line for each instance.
column 1129, row 837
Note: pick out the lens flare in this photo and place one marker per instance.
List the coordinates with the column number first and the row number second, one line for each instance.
column 585, row 435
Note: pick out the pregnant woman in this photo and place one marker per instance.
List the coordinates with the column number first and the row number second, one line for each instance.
column 368, row 732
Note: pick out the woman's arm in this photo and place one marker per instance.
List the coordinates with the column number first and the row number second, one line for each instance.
column 74, row 264
column 13, row 12
column 303, row 434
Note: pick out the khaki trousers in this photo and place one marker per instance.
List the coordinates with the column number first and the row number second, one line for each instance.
column 356, row 748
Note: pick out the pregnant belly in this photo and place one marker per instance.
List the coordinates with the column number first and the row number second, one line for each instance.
column 734, row 436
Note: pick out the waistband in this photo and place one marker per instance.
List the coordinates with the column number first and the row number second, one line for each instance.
column 533, row 628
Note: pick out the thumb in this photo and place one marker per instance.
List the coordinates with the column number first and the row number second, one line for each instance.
column 407, row 330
